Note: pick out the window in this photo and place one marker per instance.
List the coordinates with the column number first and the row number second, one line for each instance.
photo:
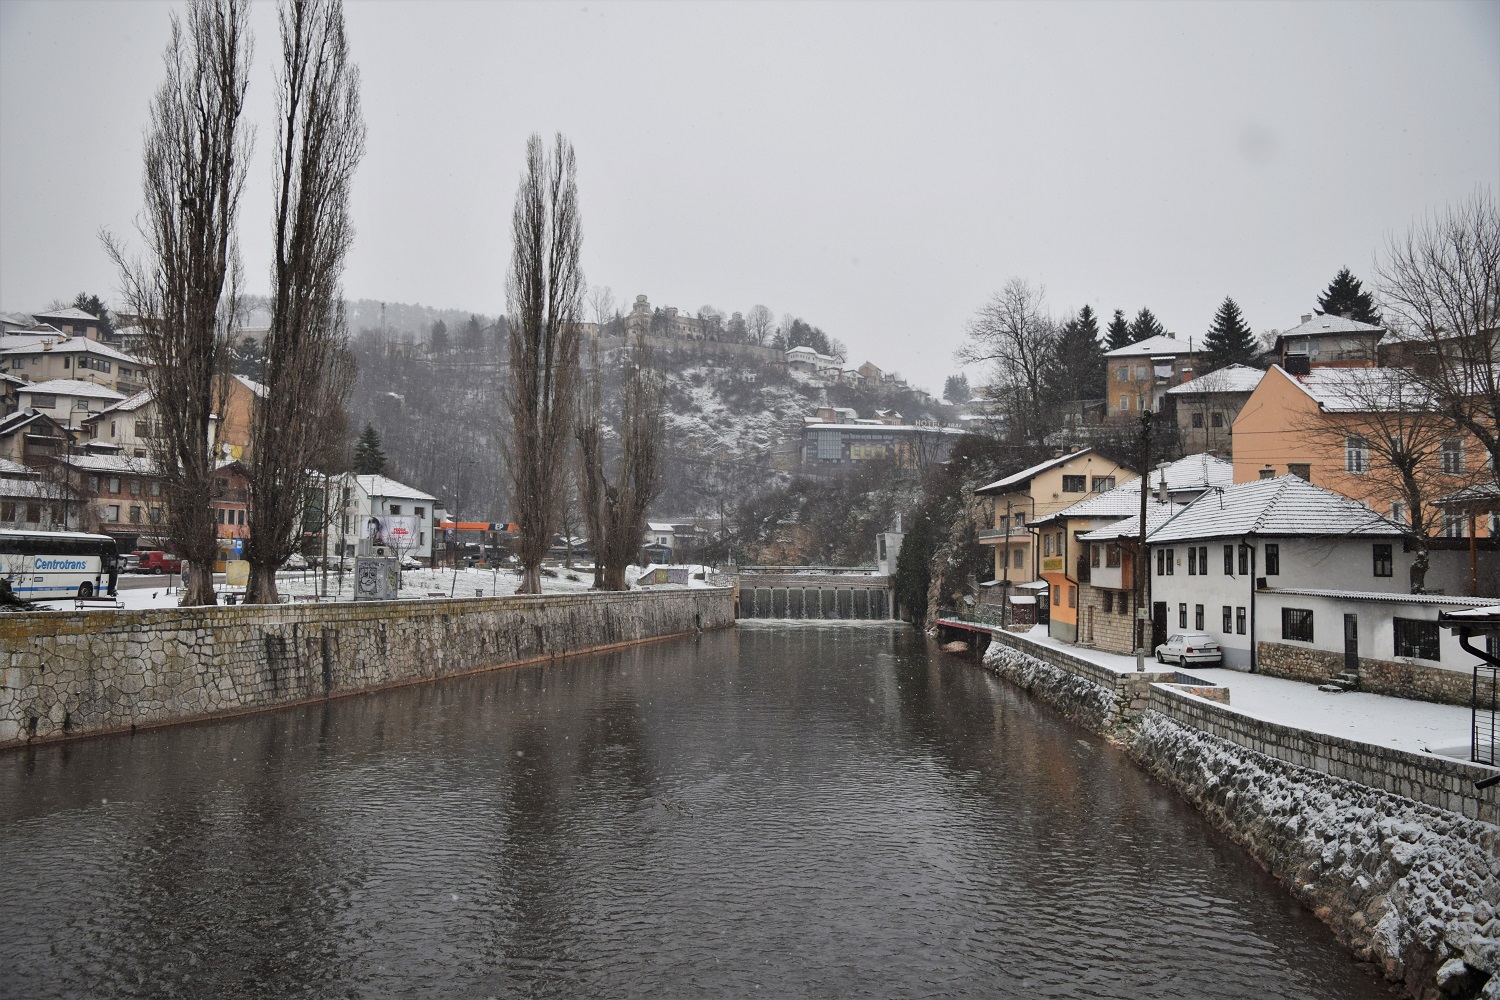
column 1120, row 376
column 1398, row 511
column 1056, row 595
column 1112, row 555
column 1094, row 555
column 1124, row 400
column 7, row 510
column 43, row 401
column 1140, row 401
column 1203, row 560
column 1297, row 624
column 135, row 515
column 1454, row 526
column 1356, row 455
column 1192, row 569
column 1417, row 638
column 1452, row 456
column 1103, row 484
column 34, row 513
column 1383, row 562
column 1273, row 559
column 1046, row 545
column 395, row 508
column 420, row 511
column 114, row 484
column 1229, row 560
column 93, row 484
column 830, row 444
column 1109, row 599
column 1197, row 419
column 1074, row 484
column 1182, row 616
column 1072, row 597
column 1218, row 419
column 1198, row 617
column 135, row 487
column 1239, row 620
column 1244, row 560
column 1140, row 373
column 1019, row 558
column 1171, row 561
column 1228, row 620
column 111, row 512
column 219, row 515
column 1161, row 562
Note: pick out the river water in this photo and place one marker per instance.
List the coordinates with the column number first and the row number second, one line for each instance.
column 803, row 811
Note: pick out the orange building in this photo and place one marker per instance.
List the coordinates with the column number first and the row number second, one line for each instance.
column 1326, row 425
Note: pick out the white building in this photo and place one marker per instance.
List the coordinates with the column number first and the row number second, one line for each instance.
column 68, row 401
column 364, row 497
column 1211, row 560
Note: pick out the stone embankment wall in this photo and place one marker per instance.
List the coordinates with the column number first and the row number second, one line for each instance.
column 1397, row 852
column 91, row 672
column 1392, row 677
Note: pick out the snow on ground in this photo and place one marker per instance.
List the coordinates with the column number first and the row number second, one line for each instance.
column 1399, row 723
column 416, row 584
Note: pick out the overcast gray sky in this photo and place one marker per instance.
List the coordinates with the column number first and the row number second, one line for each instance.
column 878, row 169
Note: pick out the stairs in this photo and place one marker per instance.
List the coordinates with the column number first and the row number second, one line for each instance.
column 1339, row 683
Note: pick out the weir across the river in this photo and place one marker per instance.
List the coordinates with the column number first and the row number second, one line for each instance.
column 815, row 592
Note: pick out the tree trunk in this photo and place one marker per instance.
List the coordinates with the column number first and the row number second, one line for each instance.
column 531, row 579
column 1419, row 568
column 614, row 578
column 199, row 586
column 261, row 587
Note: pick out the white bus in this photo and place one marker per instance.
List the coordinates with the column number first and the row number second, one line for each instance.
column 48, row 565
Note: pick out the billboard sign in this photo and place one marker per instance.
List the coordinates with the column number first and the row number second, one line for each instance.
column 396, row 530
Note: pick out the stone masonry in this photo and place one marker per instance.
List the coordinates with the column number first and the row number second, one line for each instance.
column 72, row 674
column 1392, row 677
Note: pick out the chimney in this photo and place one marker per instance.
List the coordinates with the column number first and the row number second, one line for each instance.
column 1162, row 494
column 1267, row 472
column 1307, row 317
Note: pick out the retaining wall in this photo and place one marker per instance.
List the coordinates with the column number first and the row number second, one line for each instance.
column 1393, row 677
column 73, row 674
column 1397, row 852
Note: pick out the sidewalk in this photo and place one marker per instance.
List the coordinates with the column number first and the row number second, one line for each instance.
column 1417, row 726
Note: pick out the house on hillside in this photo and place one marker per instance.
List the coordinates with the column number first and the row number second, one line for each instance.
column 32, row 438
column 1036, row 492
column 1140, row 374
column 1207, row 406
column 71, row 321
column 45, row 357
column 125, row 497
column 1103, row 575
column 1334, row 427
column 68, row 401
column 839, row 443
column 1324, row 341
column 122, row 429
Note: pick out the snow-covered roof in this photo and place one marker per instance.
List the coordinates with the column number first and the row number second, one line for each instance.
column 127, row 405
column 659, row 526
column 14, row 470
column 73, row 387
column 112, row 464
column 1235, row 378
column 1330, row 324
column 1191, row 472
column 72, row 345
column 1479, row 495
column 876, row 425
column 1026, row 475
column 15, row 421
column 1286, row 506
column 383, row 486
column 68, row 313
column 253, row 386
column 30, row 489
column 1361, row 390
column 1388, row 597
column 1157, row 514
column 1159, row 346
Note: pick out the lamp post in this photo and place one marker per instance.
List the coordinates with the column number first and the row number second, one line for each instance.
column 1142, row 564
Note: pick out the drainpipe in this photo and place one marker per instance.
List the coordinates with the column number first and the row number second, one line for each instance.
column 1254, row 645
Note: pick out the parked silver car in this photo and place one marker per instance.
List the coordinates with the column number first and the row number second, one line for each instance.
column 1183, row 648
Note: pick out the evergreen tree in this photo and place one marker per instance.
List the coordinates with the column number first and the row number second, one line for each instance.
column 1229, row 340
column 956, row 389
column 1076, row 369
column 439, row 338
column 1119, row 332
column 1145, row 326
column 473, row 337
column 1345, row 296
column 94, row 306
column 369, row 460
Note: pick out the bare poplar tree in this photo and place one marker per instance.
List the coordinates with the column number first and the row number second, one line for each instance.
column 194, row 170
column 602, row 306
column 320, row 136
column 589, row 430
column 1441, row 288
column 544, row 293
column 1014, row 336
column 622, row 505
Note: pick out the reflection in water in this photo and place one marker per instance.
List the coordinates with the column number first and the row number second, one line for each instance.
column 809, row 810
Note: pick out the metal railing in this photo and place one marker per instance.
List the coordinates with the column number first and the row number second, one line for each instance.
column 1486, row 715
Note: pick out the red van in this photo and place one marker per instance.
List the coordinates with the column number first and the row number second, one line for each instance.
column 156, row 561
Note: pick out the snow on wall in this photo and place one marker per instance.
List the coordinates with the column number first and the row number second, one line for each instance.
column 1408, row 886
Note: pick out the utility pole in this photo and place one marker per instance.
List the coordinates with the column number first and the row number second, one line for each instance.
column 1142, row 564
column 1005, row 551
